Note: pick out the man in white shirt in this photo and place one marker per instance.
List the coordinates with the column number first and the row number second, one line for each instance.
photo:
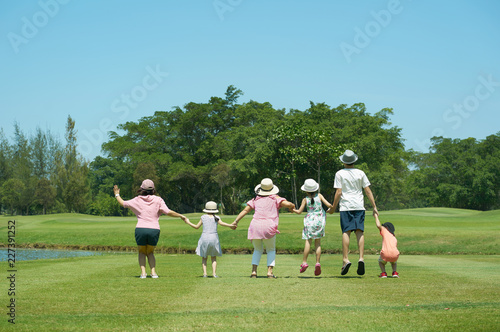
column 349, row 183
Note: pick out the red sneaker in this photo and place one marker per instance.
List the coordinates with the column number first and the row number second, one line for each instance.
column 395, row 274
column 383, row 275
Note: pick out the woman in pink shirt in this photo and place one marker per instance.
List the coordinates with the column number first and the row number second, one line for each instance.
column 148, row 208
column 264, row 225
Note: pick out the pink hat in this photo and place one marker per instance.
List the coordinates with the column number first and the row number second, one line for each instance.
column 147, row 185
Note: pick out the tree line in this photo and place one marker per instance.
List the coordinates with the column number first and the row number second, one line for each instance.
column 219, row 150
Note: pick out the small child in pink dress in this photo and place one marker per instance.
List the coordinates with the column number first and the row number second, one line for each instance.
column 389, row 252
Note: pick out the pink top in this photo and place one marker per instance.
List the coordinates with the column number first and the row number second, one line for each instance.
column 264, row 224
column 148, row 210
column 389, row 252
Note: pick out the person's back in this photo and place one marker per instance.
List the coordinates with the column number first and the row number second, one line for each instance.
column 349, row 184
column 148, row 210
column 351, row 181
column 209, row 224
column 389, row 252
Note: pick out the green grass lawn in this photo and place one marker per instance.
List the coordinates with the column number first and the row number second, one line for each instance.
column 449, row 271
column 419, row 231
column 104, row 293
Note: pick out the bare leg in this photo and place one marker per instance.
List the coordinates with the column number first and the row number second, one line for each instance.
column 307, row 248
column 394, row 267
column 317, row 244
column 214, row 265
column 361, row 244
column 345, row 246
column 204, row 265
column 142, row 259
column 151, row 258
column 270, row 270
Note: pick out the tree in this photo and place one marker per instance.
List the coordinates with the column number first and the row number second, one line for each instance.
column 225, row 147
column 458, row 173
column 45, row 194
column 22, row 167
column 220, row 175
column 71, row 173
column 40, row 154
column 289, row 139
column 11, row 194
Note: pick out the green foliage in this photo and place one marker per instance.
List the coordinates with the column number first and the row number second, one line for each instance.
column 45, row 194
column 11, row 193
column 458, row 173
column 105, row 205
column 219, row 150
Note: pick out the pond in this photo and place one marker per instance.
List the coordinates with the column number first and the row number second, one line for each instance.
column 34, row 254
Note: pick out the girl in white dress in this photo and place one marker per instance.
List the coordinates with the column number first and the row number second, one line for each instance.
column 209, row 244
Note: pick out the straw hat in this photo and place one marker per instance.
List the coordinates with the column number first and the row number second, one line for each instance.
column 348, row 157
column 211, row 207
column 310, row 186
column 147, row 185
column 266, row 188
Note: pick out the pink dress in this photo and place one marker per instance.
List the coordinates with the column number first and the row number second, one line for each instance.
column 264, row 224
column 148, row 210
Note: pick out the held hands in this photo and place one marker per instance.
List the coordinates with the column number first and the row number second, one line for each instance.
column 234, row 224
column 375, row 212
column 185, row 219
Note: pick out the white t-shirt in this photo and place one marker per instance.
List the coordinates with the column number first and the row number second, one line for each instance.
column 351, row 181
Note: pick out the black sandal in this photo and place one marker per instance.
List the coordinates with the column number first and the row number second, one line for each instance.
column 361, row 268
column 345, row 268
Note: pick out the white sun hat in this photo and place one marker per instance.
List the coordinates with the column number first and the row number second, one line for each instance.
column 349, row 157
column 266, row 188
column 211, row 207
column 310, row 186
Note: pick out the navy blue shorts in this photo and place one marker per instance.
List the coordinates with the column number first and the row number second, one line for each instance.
column 352, row 220
column 147, row 236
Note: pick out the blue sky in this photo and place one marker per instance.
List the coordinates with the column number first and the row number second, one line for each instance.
column 435, row 63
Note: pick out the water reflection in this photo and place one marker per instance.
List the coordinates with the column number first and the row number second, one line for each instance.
column 34, row 254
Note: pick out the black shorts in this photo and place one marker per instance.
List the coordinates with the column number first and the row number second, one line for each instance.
column 352, row 220
column 147, row 236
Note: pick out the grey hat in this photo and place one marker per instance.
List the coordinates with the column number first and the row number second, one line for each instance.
column 349, row 157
